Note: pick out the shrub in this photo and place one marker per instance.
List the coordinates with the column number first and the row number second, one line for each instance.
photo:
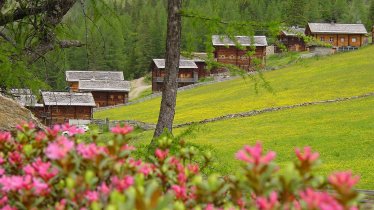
column 44, row 170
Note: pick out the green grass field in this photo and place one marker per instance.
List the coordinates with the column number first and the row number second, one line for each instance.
column 314, row 79
column 341, row 132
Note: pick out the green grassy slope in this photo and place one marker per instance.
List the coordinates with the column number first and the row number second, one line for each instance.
column 341, row 132
column 314, row 79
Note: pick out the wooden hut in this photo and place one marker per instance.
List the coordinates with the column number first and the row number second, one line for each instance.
column 106, row 92
column 338, row 35
column 292, row 39
column 187, row 75
column 228, row 52
column 60, row 107
column 27, row 99
column 200, row 60
column 73, row 77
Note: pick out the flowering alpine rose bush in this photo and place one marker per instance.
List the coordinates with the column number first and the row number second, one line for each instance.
column 45, row 170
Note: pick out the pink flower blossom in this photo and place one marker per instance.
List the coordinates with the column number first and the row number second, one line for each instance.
column 54, row 131
column 179, row 191
column 2, row 171
column 193, row 168
column 40, row 136
column 15, row 158
column 41, row 169
column 72, row 130
column 89, row 151
column 319, row 200
column 122, row 184
column 25, row 126
column 104, row 189
column 161, row 154
column 40, row 187
column 127, row 147
column 122, row 130
column 59, row 149
column 3, row 200
column 344, row 181
column 15, row 183
column 5, row 137
column 92, row 196
column 182, row 179
column 7, row 207
column 306, row 156
column 145, row 169
column 254, row 155
column 270, row 203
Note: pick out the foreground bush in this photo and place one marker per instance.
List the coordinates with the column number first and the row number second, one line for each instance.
column 44, row 170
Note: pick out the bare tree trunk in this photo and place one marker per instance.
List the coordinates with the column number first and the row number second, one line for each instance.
column 169, row 92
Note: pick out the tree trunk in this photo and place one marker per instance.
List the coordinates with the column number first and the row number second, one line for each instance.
column 169, row 92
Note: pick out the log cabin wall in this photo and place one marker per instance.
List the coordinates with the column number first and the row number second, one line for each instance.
column 187, row 77
column 202, row 69
column 234, row 56
column 62, row 114
column 342, row 40
column 103, row 99
column 292, row 43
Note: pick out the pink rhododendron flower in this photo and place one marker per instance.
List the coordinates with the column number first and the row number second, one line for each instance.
column 58, row 149
column 24, row 126
column 127, row 147
column 7, row 207
column 40, row 136
column 3, row 200
column 104, row 189
column 122, row 130
column 72, row 130
column 53, row 132
column 193, row 168
column 319, row 200
column 306, row 156
column 15, row 158
column 40, row 187
column 179, row 191
column 182, row 178
column 1, row 160
column 254, row 155
column 122, row 184
column 14, row 183
column 145, row 169
column 161, row 154
column 42, row 169
column 5, row 137
column 2, row 171
column 92, row 196
column 270, row 203
column 344, row 181
column 89, row 151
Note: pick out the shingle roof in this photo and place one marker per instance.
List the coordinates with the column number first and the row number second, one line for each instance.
column 25, row 97
column 337, row 28
column 219, row 40
column 74, row 76
column 68, row 99
column 104, row 85
column 293, row 31
column 183, row 64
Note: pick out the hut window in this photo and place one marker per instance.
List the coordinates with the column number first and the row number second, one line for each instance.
column 111, row 96
column 342, row 39
column 354, row 39
column 119, row 97
column 232, row 56
column 222, row 56
column 322, row 39
column 331, row 39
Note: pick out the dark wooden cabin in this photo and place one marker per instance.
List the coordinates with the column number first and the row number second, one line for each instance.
column 60, row 107
column 292, row 39
column 199, row 59
column 227, row 52
column 106, row 92
column 73, row 77
column 28, row 100
column 187, row 75
column 338, row 35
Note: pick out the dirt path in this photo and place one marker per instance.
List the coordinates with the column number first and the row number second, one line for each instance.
column 137, row 87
